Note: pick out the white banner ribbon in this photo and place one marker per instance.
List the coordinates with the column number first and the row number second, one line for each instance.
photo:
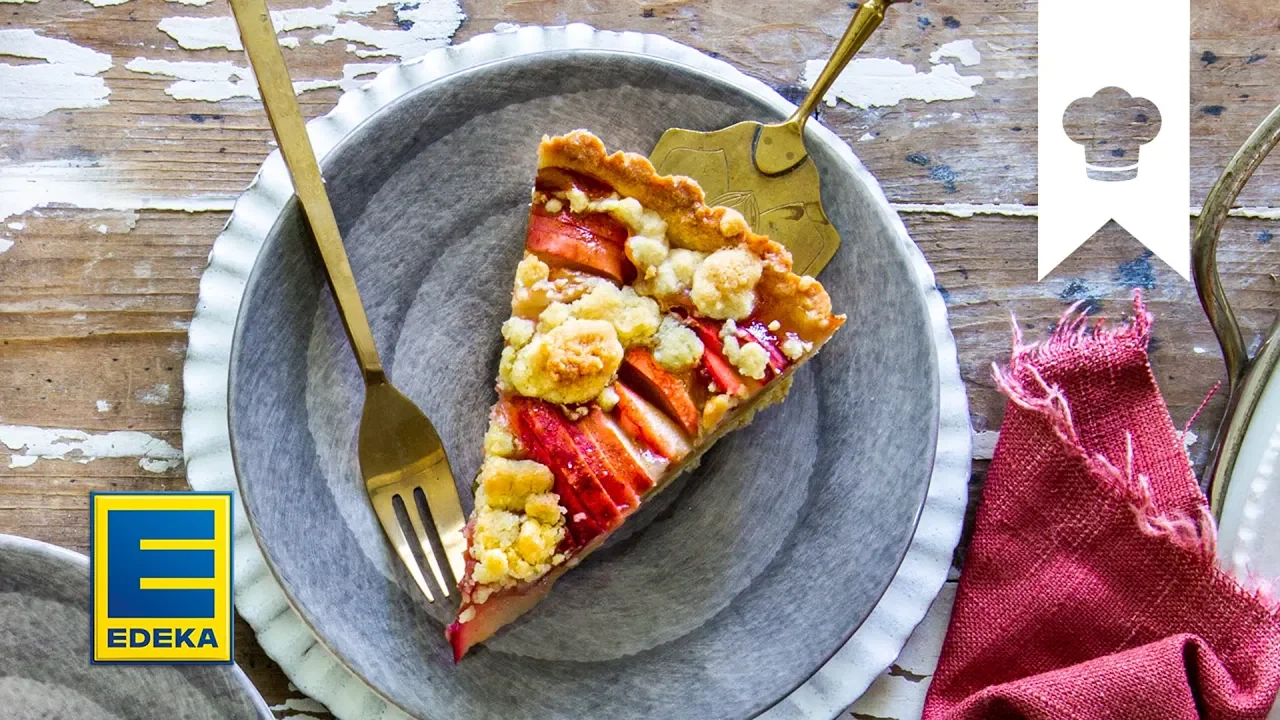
column 1142, row 47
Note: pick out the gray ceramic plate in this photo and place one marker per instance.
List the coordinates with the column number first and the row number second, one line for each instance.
column 719, row 599
column 45, row 671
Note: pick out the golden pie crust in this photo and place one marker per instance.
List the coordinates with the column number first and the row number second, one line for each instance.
column 800, row 301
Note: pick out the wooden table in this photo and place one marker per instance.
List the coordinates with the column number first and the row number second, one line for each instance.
column 112, row 207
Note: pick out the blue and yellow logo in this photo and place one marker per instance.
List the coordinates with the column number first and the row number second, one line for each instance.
column 161, row 567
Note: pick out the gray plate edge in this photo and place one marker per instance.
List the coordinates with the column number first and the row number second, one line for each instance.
column 71, row 557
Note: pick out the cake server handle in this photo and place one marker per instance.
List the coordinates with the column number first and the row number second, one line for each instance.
column 780, row 146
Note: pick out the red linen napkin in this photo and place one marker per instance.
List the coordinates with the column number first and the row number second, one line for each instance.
column 1091, row 588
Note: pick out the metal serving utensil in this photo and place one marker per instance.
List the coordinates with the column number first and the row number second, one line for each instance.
column 764, row 171
column 1247, row 378
column 402, row 460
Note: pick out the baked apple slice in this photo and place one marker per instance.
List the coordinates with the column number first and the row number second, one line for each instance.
column 658, row 385
column 573, row 245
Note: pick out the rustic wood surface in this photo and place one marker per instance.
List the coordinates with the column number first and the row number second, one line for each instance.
column 97, row 288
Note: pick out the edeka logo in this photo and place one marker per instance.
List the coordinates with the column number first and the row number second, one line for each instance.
column 161, row 565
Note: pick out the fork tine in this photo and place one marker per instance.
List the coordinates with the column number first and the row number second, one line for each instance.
column 384, row 506
column 434, row 559
column 441, row 555
column 410, row 522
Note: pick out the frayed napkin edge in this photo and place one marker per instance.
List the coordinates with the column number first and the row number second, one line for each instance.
column 1023, row 384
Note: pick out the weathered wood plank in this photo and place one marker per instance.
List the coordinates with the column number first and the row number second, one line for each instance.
column 130, row 381
column 74, row 273
column 979, row 150
column 84, row 290
column 55, row 377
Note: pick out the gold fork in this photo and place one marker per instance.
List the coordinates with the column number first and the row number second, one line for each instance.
column 402, row 460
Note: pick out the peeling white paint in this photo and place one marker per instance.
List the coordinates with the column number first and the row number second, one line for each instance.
column 289, row 42
column 105, row 3
column 5, row 244
column 102, row 229
column 203, row 33
column 196, row 80
column 157, row 394
column 423, row 25
column 506, row 27
column 383, row 42
column 962, row 50
column 196, row 3
column 881, row 82
column 103, row 406
column 18, row 2
column 27, row 442
column 89, row 185
column 158, row 466
column 353, row 76
column 17, row 225
column 968, row 210
column 299, row 705
column 1198, row 350
column 1189, row 438
column 1256, row 213
column 866, row 137
column 217, row 81
column 984, row 444
column 67, row 79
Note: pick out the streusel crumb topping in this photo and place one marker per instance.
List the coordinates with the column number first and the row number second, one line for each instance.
column 724, row 284
column 499, row 440
column 518, row 523
column 569, row 364
column 677, row 348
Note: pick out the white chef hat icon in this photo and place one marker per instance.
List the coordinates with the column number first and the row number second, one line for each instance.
column 1112, row 126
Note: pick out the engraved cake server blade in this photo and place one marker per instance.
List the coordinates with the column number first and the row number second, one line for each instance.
column 764, row 171
column 402, row 460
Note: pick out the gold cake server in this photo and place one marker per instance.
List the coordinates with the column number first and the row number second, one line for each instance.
column 764, row 171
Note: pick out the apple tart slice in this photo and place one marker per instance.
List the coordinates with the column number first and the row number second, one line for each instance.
column 644, row 326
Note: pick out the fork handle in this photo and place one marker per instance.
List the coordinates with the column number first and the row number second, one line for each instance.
column 259, row 37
